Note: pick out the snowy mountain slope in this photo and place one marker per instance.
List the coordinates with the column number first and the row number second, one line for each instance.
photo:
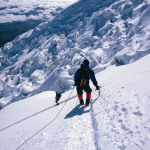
column 105, row 32
column 118, row 120
column 123, row 110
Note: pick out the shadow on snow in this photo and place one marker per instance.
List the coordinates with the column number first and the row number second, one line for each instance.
column 78, row 110
column 37, row 113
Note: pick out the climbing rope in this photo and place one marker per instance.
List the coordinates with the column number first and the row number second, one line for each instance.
column 46, row 124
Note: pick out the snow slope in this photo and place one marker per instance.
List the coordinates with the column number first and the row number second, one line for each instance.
column 123, row 110
column 118, row 120
column 106, row 32
column 114, row 36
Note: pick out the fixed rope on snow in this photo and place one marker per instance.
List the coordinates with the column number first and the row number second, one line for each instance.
column 46, row 124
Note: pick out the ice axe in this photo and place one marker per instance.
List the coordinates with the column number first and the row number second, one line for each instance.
column 98, row 90
column 98, row 96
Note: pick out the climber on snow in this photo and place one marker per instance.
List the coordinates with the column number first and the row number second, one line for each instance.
column 81, row 78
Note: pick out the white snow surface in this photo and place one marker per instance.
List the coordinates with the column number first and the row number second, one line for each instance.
column 119, row 119
column 105, row 32
column 115, row 37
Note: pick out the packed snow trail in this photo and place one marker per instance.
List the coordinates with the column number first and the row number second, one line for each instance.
column 72, row 129
column 81, row 129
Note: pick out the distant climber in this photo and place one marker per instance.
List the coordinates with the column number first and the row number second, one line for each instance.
column 58, row 81
column 58, row 96
column 81, row 78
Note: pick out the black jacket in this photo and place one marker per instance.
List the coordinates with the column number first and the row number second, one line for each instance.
column 83, row 75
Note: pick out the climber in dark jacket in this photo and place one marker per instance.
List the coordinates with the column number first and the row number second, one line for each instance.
column 81, row 78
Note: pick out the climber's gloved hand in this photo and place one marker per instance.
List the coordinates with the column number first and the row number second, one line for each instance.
column 97, row 87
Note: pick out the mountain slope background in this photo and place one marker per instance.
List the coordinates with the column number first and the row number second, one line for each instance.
column 114, row 36
column 105, row 32
column 119, row 119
